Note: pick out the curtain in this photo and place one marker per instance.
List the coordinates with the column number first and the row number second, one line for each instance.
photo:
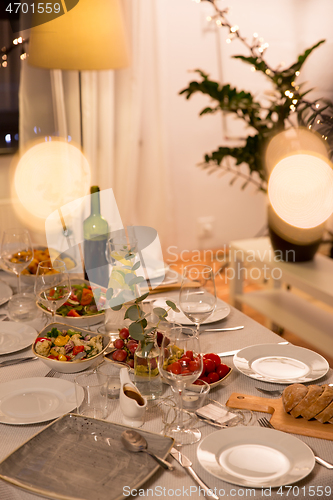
column 122, row 123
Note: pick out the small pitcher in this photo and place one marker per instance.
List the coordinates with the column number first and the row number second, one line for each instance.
column 132, row 403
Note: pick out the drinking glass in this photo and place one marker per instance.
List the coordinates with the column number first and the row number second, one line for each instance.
column 52, row 285
column 16, row 251
column 197, row 303
column 180, row 363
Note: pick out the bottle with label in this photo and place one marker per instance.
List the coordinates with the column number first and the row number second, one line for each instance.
column 95, row 233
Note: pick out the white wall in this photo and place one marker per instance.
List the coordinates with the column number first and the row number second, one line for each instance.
column 186, row 44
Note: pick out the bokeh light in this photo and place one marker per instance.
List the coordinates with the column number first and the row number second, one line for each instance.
column 47, row 176
column 300, row 190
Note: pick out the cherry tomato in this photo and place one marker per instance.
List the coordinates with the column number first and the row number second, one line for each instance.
column 214, row 357
column 130, row 363
column 184, row 360
column 213, row 377
column 176, row 368
column 194, row 365
column 77, row 349
column 199, row 382
column 209, row 365
column 222, row 370
column 185, row 371
column 189, row 354
column 124, row 333
column 205, row 379
column 52, row 357
column 41, row 339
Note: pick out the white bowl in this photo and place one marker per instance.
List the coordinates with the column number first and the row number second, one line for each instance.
column 83, row 320
column 70, row 366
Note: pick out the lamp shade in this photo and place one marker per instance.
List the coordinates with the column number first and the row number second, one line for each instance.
column 90, row 36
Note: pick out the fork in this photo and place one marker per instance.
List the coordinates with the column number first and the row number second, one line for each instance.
column 263, row 422
column 51, row 373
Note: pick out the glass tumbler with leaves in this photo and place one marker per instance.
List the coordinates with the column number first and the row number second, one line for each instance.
column 181, row 363
column 16, row 251
column 197, row 302
column 52, row 285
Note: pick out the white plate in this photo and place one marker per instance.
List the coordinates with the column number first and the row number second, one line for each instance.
column 6, row 293
column 280, row 364
column 221, row 312
column 35, row 400
column 255, row 457
column 15, row 336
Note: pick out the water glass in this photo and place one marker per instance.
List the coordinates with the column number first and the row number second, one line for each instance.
column 91, row 394
column 112, row 374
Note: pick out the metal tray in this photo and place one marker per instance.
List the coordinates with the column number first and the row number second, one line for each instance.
column 80, row 458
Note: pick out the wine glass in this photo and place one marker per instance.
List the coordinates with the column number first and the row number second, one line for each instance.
column 180, row 363
column 16, row 251
column 52, row 285
column 197, row 303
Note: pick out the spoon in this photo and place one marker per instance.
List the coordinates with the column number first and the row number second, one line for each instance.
column 134, row 441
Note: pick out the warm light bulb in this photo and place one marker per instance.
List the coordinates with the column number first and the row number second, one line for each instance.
column 300, row 190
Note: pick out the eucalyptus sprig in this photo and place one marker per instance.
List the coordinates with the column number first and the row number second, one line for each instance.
column 129, row 280
column 264, row 120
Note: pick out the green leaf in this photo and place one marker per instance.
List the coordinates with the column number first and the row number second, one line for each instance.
column 136, row 280
column 133, row 313
column 129, row 277
column 136, row 266
column 117, row 308
column 172, row 305
column 109, row 293
column 143, row 297
column 143, row 323
column 135, row 331
column 160, row 312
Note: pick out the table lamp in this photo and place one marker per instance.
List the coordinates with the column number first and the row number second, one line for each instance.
column 300, row 192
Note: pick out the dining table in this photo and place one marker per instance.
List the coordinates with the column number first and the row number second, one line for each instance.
column 178, row 483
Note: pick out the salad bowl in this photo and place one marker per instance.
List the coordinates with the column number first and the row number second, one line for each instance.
column 77, row 365
column 77, row 312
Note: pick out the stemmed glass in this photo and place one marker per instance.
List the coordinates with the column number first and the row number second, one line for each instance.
column 52, row 285
column 180, row 363
column 197, row 303
column 16, row 251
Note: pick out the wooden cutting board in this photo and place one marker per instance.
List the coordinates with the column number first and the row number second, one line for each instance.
column 281, row 420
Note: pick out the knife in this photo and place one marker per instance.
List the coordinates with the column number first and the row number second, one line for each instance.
column 10, row 362
column 187, row 464
column 232, row 353
column 222, row 329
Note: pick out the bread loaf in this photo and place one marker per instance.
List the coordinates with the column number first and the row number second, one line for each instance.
column 293, row 395
column 309, row 402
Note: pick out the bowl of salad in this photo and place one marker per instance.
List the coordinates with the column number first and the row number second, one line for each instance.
column 58, row 344
column 83, row 308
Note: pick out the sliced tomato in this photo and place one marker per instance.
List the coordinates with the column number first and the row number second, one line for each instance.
column 72, row 313
column 77, row 349
column 52, row 357
column 87, row 296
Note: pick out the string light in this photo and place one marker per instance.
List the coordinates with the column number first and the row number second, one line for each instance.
column 208, row 18
column 23, row 56
column 234, row 29
column 317, row 106
column 297, row 73
column 253, row 69
column 4, row 64
column 228, row 40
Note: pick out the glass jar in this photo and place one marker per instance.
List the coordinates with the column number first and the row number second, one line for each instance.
column 146, row 373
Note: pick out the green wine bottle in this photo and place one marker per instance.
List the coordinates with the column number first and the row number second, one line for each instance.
column 95, row 233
